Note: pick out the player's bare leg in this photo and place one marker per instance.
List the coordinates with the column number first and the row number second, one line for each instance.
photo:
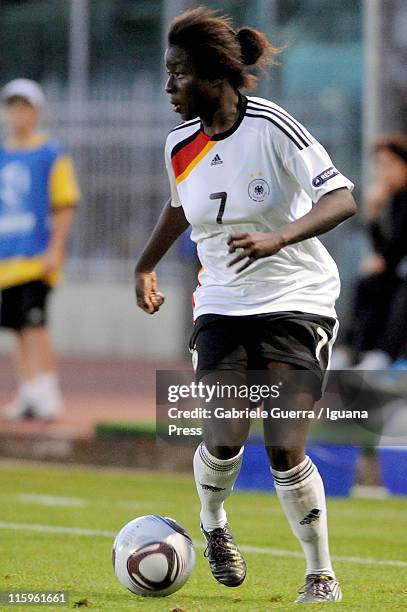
column 301, row 493
column 35, row 352
column 38, row 394
column 217, row 464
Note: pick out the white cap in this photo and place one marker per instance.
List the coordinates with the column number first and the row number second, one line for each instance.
column 24, row 88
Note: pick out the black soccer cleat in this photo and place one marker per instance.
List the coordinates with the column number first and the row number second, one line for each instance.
column 225, row 559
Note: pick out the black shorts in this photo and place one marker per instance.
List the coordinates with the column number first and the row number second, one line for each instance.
column 245, row 343
column 24, row 305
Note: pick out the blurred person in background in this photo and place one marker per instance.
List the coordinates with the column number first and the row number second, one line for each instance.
column 38, row 193
column 378, row 327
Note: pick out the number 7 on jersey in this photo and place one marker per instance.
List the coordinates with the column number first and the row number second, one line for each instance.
column 221, row 195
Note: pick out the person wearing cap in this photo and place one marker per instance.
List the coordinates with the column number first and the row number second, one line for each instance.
column 38, row 194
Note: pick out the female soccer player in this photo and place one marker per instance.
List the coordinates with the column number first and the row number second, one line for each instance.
column 257, row 189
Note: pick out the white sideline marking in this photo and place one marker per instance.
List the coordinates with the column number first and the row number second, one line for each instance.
column 258, row 550
column 58, row 529
column 51, row 500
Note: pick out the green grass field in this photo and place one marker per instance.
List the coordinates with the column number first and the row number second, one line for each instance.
column 44, row 509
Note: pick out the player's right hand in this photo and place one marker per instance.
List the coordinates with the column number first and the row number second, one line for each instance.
column 148, row 298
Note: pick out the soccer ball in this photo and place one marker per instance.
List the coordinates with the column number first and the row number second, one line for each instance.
column 153, row 556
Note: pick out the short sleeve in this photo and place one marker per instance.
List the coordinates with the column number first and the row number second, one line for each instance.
column 63, row 185
column 315, row 172
column 175, row 200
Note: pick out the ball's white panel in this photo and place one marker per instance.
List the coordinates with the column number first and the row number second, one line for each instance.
column 154, row 567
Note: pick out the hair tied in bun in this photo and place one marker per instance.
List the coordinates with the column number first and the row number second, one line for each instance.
column 252, row 45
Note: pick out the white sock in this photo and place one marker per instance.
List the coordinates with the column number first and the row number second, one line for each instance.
column 302, row 496
column 214, row 480
column 49, row 383
column 43, row 393
column 28, row 390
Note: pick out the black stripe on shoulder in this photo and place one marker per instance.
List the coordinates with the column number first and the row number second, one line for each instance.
column 294, row 122
column 283, row 113
column 185, row 125
column 183, row 143
column 281, row 118
column 268, row 118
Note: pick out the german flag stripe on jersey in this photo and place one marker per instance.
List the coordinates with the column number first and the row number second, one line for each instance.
column 188, row 153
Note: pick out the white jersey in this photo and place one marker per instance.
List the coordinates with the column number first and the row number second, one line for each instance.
column 264, row 172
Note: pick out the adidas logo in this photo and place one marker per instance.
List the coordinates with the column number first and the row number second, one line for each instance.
column 311, row 516
column 216, row 160
column 207, row 487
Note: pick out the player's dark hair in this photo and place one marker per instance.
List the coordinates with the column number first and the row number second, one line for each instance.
column 394, row 143
column 217, row 50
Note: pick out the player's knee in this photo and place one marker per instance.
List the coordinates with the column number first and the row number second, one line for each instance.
column 283, row 458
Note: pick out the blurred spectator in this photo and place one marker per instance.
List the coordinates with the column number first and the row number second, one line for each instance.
column 378, row 327
column 38, row 190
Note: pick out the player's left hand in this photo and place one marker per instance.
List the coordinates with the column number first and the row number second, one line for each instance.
column 254, row 246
